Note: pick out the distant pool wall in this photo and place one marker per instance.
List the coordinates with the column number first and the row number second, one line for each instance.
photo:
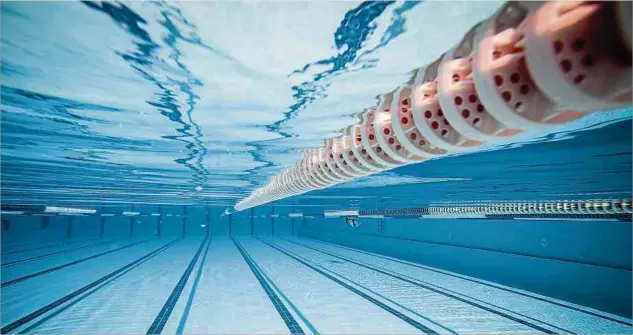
column 588, row 263
column 23, row 229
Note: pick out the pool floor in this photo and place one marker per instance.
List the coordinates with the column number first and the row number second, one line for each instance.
column 262, row 285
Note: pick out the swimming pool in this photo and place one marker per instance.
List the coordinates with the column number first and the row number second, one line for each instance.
column 130, row 131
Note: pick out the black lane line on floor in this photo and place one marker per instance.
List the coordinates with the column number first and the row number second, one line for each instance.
column 452, row 295
column 25, row 243
column 605, row 317
column 194, row 288
column 30, row 317
column 284, row 297
column 54, row 244
column 289, row 320
column 42, row 247
column 288, row 302
column 565, row 331
column 26, row 260
column 165, row 312
column 59, row 267
column 29, row 329
column 565, row 260
column 394, row 312
column 445, row 330
column 8, row 247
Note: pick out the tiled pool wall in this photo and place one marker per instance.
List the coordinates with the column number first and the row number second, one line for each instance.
column 584, row 262
column 197, row 221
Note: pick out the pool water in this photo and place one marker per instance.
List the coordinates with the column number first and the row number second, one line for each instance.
column 158, row 117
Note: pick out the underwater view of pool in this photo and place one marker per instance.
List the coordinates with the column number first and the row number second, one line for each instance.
column 258, row 167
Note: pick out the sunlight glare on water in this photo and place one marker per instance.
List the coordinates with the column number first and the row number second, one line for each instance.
column 196, row 103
